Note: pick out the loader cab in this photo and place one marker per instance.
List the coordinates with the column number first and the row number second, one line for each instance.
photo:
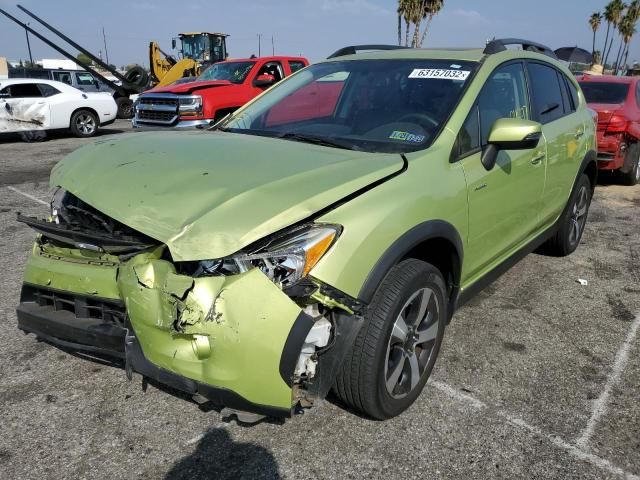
column 203, row 47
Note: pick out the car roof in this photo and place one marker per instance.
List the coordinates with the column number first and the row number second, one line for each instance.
column 63, row 87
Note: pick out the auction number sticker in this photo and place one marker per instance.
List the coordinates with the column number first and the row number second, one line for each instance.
column 439, row 73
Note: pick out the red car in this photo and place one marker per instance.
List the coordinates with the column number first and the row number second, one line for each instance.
column 617, row 103
column 218, row 91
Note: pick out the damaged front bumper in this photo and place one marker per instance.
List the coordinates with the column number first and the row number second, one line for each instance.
column 235, row 340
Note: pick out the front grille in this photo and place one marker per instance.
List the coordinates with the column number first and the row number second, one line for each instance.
column 151, row 116
column 149, row 100
column 109, row 311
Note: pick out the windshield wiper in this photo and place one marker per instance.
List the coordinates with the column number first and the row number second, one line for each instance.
column 325, row 142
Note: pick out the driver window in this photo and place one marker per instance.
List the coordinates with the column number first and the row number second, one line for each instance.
column 503, row 96
column 274, row 69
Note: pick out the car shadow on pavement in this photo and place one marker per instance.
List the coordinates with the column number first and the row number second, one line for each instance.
column 43, row 136
column 218, row 456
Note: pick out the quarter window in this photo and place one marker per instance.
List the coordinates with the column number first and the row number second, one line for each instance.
column 547, row 97
column 573, row 92
column 48, row 90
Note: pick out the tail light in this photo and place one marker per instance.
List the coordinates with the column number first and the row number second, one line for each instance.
column 617, row 124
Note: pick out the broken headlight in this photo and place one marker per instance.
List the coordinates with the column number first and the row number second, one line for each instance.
column 285, row 259
column 57, row 204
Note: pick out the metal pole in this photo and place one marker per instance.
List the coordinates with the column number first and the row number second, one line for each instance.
column 29, row 46
column 259, row 46
column 273, row 48
column 106, row 52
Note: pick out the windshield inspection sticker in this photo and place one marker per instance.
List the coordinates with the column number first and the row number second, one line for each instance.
column 406, row 137
column 442, row 73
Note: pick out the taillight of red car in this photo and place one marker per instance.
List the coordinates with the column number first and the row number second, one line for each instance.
column 617, row 124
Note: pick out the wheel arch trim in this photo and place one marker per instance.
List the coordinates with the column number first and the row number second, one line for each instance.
column 430, row 230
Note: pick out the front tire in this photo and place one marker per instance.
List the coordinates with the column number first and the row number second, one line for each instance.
column 397, row 347
column 573, row 221
column 84, row 124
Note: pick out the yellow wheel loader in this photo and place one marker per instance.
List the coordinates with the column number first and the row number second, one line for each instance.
column 198, row 50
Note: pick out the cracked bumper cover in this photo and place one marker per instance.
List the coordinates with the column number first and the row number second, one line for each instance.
column 234, row 340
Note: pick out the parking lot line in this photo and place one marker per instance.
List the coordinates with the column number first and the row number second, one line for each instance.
column 573, row 450
column 25, row 194
column 601, row 405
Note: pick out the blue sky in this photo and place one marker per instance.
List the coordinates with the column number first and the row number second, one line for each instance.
column 313, row 28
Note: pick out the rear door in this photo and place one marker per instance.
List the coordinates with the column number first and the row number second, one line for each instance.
column 503, row 202
column 24, row 108
column 564, row 131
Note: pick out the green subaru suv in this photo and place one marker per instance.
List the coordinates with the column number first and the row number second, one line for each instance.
column 321, row 237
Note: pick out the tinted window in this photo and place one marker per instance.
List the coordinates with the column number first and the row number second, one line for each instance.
column 468, row 140
column 64, row 77
column 24, row 90
column 605, row 92
column 503, row 96
column 48, row 90
column 547, row 96
column 296, row 65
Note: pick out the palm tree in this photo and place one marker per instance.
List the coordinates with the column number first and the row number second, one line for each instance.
column 594, row 21
column 403, row 8
column 628, row 29
column 616, row 7
column 432, row 8
column 608, row 15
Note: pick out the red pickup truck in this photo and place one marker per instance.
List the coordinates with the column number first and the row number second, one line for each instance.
column 617, row 102
column 218, row 91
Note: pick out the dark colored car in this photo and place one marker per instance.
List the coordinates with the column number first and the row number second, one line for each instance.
column 617, row 103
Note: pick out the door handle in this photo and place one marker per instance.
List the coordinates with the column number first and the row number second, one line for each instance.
column 538, row 159
column 579, row 133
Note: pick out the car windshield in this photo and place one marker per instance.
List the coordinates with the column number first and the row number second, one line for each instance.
column 369, row 105
column 234, row 72
column 605, row 92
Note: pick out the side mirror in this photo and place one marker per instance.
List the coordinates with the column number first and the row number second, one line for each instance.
column 264, row 80
column 96, row 83
column 510, row 134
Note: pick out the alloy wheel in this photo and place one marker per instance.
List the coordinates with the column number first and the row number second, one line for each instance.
column 411, row 343
column 579, row 215
column 86, row 124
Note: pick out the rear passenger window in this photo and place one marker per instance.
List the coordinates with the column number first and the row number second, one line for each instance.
column 296, row 65
column 548, row 104
column 573, row 93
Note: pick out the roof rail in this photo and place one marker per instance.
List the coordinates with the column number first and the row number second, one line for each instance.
column 500, row 45
column 352, row 49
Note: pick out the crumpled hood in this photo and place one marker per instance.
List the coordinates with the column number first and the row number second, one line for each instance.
column 190, row 87
column 209, row 194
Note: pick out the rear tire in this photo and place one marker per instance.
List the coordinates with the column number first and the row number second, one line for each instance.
column 84, row 124
column 632, row 177
column 573, row 221
column 396, row 349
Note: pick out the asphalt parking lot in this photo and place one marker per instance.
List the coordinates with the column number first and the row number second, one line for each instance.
column 539, row 377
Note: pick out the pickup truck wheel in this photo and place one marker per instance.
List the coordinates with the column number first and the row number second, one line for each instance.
column 84, row 123
column 573, row 221
column 125, row 107
column 397, row 347
column 632, row 177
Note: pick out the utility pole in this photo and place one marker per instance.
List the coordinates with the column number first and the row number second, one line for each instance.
column 29, row 45
column 259, row 45
column 106, row 52
column 273, row 48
